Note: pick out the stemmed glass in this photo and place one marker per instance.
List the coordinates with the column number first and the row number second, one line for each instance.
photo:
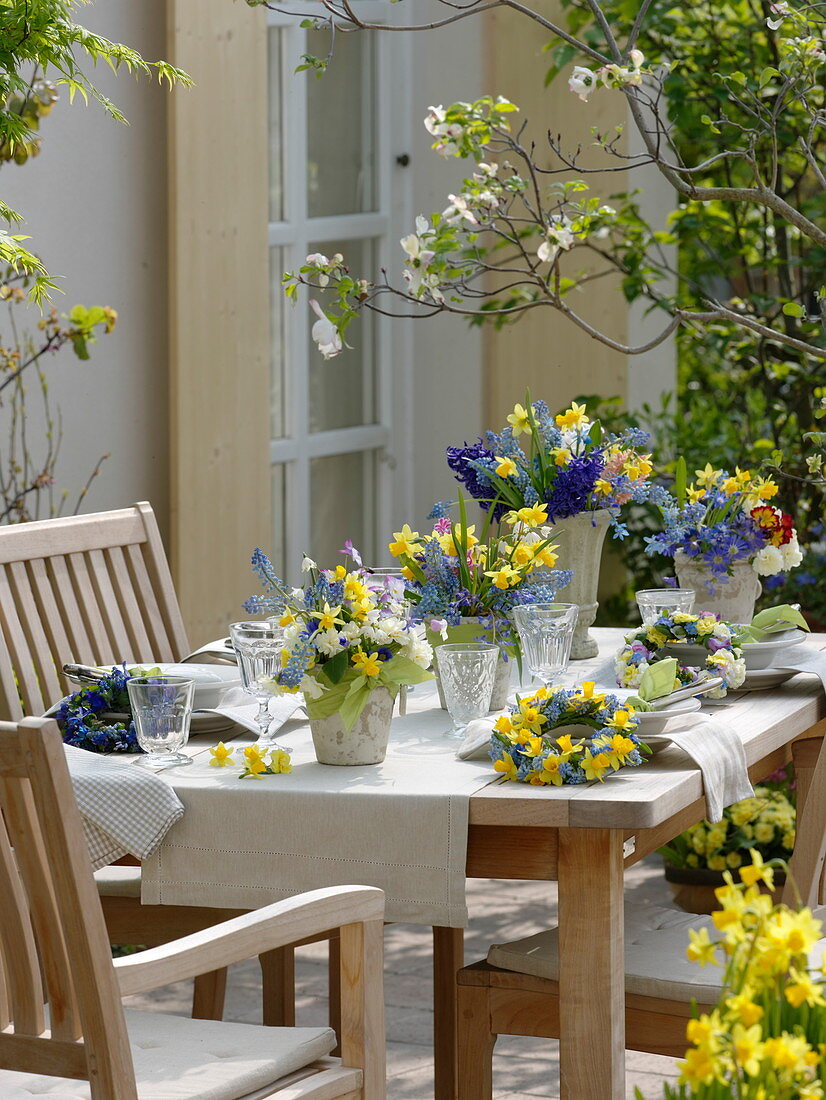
column 258, row 648
column 654, row 602
column 467, row 671
column 546, row 631
column 161, row 709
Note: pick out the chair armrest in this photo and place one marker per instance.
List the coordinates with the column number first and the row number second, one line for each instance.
column 251, row 934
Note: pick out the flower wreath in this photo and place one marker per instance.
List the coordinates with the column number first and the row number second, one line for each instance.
column 85, row 717
column 647, row 644
column 523, row 747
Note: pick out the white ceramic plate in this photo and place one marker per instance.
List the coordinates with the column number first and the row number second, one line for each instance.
column 655, row 721
column 211, row 681
column 757, row 655
column 760, row 679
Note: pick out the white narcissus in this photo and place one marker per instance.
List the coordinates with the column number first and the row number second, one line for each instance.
column 325, row 333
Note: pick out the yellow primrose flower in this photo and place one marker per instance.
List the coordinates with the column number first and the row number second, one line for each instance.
column 603, row 487
column 708, row 475
column 329, row 618
column 506, row 766
column 280, row 762
column 405, row 542
column 368, row 664
column 506, row 468
column 706, row 624
column 504, row 577
column 519, row 420
column 595, row 767
column 561, row 456
column 700, row 949
column 533, row 516
column 221, row 756
column 572, row 417
column 550, row 766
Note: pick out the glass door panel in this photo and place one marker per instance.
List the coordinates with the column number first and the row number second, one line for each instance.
column 343, row 491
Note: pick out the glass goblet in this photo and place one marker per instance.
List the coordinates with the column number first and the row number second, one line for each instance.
column 161, row 709
column 258, row 648
column 546, row 631
column 654, row 602
column 467, row 671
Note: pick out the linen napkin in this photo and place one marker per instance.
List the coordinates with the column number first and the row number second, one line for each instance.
column 126, row 810
column 236, row 706
column 803, row 658
column 477, row 737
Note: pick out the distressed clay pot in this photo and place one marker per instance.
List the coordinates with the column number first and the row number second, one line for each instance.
column 579, row 542
column 472, row 630
column 693, row 887
column 365, row 743
column 733, row 601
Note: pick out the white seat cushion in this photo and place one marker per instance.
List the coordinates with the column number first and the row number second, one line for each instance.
column 118, row 881
column 181, row 1059
column 655, row 961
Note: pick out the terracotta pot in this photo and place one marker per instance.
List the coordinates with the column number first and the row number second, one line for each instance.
column 472, row 629
column 579, row 542
column 693, row 887
column 365, row 743
column 733, row 600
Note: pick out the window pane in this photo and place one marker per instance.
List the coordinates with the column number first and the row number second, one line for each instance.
column 278, row 552
column 343, row 392
column 341, row 123
column 276, row 124
column 343, row 494
column 278, row 343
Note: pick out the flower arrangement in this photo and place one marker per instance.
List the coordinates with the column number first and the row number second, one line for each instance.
column 764, row 1038
column 534, row 742
column 85, row 716
column 648, row 643
column 258, row 761
column 568, row 465
column 765, row 823
column 452, row 572
column 341, row 639
column 722, row 519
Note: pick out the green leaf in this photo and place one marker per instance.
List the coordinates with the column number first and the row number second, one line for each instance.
column 794, row 309
column 680, row 476
column 335, row 668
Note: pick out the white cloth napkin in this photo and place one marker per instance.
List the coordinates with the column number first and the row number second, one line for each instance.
column 236, row 706
column 477, row 737
column 804, row 658
column 126, row 810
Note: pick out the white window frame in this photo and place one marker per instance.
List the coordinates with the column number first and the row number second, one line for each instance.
column 391, row 436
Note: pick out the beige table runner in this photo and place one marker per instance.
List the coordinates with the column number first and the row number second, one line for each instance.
column 401, row 825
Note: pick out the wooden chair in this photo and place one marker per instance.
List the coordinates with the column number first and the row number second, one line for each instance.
column 516, row 992
column 97, row 589
column 54, row 951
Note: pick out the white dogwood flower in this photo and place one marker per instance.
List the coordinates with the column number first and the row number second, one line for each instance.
column 325, row 333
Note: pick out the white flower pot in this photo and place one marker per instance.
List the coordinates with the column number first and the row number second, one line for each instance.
column 471, row 629
column 733, row 598
column 365, row 743
column 579, row 542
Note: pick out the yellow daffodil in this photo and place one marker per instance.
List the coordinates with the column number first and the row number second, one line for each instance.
column 340, row 572
column 587, row 694
column 505, row 766
column 802, row 990
column 561, row 455
column 697, row 1069
column 747, row 1048
column 505, row 577
column 620, row 720
column 765, row 489
column 329, row 618
column 707, row 476
column 595, row 767
column 546, row 556
column 287, row 619
column 534, row 515
column 700, row 948
column 550, row 766
column 503, row 724
column 538, row 779
column 221, row 756
column 520, row 420
column 255, row 764
column 506, row 468
column 743, row 1007
column 280, row 762
column 566, row 744
column 522, row 554
column 368, row 664
column 406, row 542
column 532, row 718
column 603, row 488
column 618, row 748
column 573, row 417
column 758, row 871
column 448, row 541
column 533, row 746
column 695, row 493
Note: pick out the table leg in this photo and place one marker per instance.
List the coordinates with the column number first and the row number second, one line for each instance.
column 591, row 965
column 448, row 958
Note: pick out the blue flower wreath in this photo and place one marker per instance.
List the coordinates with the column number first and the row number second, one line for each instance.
column 84, row 717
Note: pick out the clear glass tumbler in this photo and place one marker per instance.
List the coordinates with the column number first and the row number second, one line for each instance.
column 467, row 671
column 546, row 631
column 258, row 648
column 161, row 709
column 654, row 602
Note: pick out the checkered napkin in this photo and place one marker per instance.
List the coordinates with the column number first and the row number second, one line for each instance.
column 125, row 809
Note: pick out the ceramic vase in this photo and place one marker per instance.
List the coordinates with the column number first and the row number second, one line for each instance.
column 732, row 600
column 472, row 629
column 365, row 743
column 579, row 542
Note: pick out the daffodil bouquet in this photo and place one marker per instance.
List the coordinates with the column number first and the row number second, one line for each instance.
column 721, row 519
column 566, row 736
column 342, row 639
column 453, row 573
column 764, row 1040
column 565, row 463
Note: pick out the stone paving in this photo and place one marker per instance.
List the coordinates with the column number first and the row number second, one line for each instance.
column 524, row 1068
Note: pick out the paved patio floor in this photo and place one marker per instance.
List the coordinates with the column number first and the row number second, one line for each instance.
column 524, row 1068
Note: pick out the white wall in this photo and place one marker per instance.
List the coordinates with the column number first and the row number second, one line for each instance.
column 95, row 206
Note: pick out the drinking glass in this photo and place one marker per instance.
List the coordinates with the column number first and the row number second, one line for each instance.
column 161, row 709
column 546, row 631
column 258, row 648
column 654, row 602
column 467, row 671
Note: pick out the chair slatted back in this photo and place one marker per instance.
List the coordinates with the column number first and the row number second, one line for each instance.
column 85, row 589
column 809, row 858
column 53, row 940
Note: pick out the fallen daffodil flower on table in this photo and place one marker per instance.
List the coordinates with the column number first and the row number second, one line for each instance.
column 257, row 762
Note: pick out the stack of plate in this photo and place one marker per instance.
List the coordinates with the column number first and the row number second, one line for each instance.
column 760, row 657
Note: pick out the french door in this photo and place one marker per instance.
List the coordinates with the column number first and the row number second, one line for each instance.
column 337, row 183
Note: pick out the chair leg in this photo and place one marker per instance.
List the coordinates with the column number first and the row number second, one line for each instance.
column 208, row 995
column 475, row 1042
column 278, row 985
column 334, row 986
column 448, row 959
